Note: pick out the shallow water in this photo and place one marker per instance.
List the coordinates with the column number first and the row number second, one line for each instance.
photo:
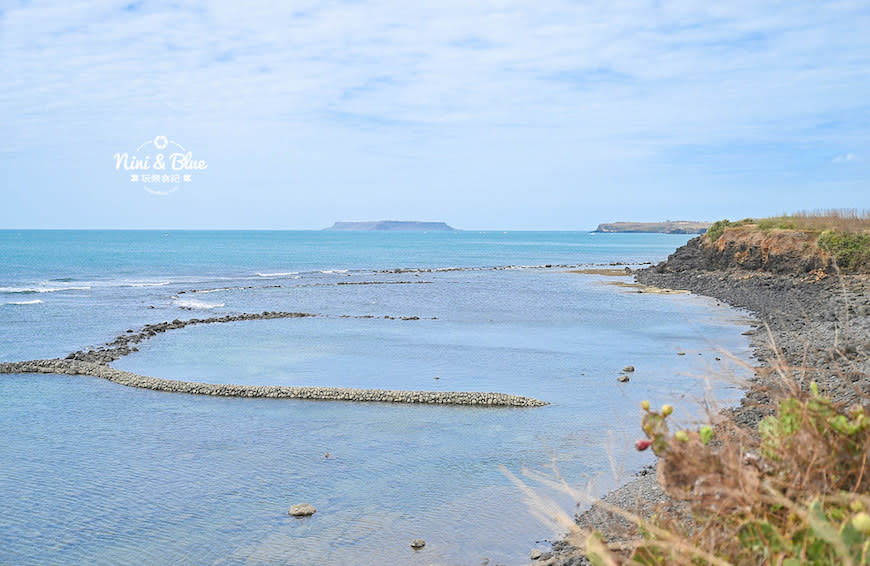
column 98, row 473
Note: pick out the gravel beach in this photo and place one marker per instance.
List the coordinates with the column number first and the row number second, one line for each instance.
column 818, row 323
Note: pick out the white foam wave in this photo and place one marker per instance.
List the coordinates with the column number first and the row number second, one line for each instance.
column 278, row 274
column 33, row 302
column 204, row 291
column 334, row 271
column 194, row 304
column 146, row 284
column 32, row 290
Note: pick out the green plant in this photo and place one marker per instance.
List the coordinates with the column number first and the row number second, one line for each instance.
column 717, row 229
column 796, row 492
column 778, row 223
column 850, row 250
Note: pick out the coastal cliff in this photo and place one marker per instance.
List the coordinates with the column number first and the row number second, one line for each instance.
column 807, row 281
column 810, row 288
column 751, row 247
column 779, row 252
column 668, row 227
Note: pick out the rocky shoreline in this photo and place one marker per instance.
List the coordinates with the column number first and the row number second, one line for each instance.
column 818, row 323
column 94, row 362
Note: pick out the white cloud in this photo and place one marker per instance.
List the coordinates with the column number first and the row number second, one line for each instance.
column 600, row 84
column 685, row 73
column 845, row 158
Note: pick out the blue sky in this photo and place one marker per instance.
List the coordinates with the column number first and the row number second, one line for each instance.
column 486, row 115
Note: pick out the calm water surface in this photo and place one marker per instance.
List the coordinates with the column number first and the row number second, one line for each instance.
column 101, row 474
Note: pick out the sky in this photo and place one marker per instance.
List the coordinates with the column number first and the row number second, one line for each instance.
column 535, row 115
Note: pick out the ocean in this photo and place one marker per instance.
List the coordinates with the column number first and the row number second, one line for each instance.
column 97, row 473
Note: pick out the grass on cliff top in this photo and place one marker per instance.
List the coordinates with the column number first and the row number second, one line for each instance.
column 844, row 234
column 845, row 221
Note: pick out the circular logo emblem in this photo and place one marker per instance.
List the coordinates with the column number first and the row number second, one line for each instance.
column 160, row 165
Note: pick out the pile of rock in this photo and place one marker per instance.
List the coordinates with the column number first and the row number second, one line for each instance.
column 130, row 379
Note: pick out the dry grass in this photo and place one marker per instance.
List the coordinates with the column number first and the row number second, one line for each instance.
column 850, row 221
column 796, row 490
column 844, row 221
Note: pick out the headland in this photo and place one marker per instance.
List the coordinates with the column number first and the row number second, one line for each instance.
column 667, row 227
column 806, row 278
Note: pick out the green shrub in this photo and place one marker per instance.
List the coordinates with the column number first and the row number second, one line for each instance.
column 850, row 250
column 717, row 229
column 794, row 493
column 778, row 223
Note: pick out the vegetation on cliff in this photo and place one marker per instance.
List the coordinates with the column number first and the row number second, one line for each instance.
column 836, row 239
column 851, row 251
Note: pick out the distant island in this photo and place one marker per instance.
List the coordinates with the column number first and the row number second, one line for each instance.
column 669, row 227
column 393, row 226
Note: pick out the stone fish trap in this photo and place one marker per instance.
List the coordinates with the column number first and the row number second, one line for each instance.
column 95, row 363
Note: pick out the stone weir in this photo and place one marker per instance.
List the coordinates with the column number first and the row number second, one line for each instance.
column 95, row 363
column 130, row 379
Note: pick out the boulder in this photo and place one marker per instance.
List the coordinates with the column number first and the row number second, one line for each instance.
column 302, row 510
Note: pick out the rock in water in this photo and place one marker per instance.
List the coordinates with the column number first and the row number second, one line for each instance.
column 622, row 379
column 418, row 543
column 302, row 510
column 628, row 369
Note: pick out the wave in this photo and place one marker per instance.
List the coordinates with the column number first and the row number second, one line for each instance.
column 33, row 302
column 204, row 291
column 278, row 274
column 334, row 271
column 191, row 304
column 33, row 290
column 146, row 284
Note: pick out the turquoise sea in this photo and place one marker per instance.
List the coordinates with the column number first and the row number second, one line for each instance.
column 96, row 473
